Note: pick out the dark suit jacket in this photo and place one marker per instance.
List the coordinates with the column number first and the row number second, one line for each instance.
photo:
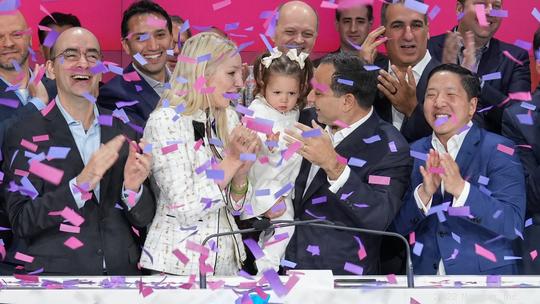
column 356, row 204
column 514, row 78
column 523, row 134
column 380, row 59
column 477, row 157
column 106, row 232
column 118, row 89
column 414, row 127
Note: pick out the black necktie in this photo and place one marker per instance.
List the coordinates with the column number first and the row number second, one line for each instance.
column 198, row 130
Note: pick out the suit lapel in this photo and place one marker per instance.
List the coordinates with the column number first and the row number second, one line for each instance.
column 467, row 151
column 491, row 59
column 148, row 94
column 421, row 86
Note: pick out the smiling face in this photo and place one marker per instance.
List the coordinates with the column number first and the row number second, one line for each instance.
column 282, row 92
column 149, row 37
column 407, row 34
column 447, row 108
column 226, row 78
column 296, row 27
column 76, row 52
column 469, row 21
column 353, row 26
column 14, row 41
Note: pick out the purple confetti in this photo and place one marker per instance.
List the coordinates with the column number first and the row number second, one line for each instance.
column 232, row 96
column 288, row 264
column 140, row 59
column 485, row 109
column 518, row 233
column 525, row 119
column 434, row 12
column 147, row 148
column 105, row 120
column 58, row 152
column 99, row 68
column 484, row 190
column 536, row 14
column 497, row 214
column 441, row 120
column 89, row 97
column 527, row 106
column 414, row 5
column 315, row 216
column 491, row 76
column 370, row 67
column 456, row 238
column 523, row 44
column 248, row 157
column 313, row 249
column 418, row 155
column 204, row 58
column 216, row 142
column 266, row 43
column 271, row 143
column 441, row 217
column 121, row 104
column 528, row 222
column 215, row 174
column 51, row 38
column 116, row 69
column 417, row 249
column 372, row 139
column 459, row 211
column 283, row 190
column 345, row 82
column 312, row 133
column 241, row 109
column 353, row 268
column 319, row 200
column 16, row 65
column 345, row 196
column 483, row 180
column 231, row 26
column 262, row 192
column 255, row 249
column 273, row 279
column 357, row 162
column 392, row 146
column 12, row 103
column 498, row 13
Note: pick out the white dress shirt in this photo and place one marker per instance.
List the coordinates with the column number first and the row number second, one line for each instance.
column 454, row 145
column 418, row 70
column 337, row 138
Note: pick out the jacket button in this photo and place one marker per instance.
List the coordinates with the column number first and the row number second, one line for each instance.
column 100, row 251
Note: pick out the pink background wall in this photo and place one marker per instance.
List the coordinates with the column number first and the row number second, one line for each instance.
column 103, row 17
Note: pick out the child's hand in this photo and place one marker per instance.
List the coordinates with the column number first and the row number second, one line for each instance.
column 272, row 137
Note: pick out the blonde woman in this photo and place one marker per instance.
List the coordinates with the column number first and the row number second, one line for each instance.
column 197, row 173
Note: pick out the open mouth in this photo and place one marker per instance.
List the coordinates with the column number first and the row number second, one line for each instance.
column 80, row 77
column 153, row 57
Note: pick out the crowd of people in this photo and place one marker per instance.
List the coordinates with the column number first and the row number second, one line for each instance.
column 437, row 139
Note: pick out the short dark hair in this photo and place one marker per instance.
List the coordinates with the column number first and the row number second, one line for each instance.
column 140, row 8
column 369, row 12
column 349, row 67
column 385, row 6
column 536, row 43
column 469, row 81
column 62, row 19
column 283, row 66
column 178, row 19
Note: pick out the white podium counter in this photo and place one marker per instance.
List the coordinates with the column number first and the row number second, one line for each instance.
column 311, row 287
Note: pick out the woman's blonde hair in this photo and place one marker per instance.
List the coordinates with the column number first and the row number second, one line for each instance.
column 187, row 72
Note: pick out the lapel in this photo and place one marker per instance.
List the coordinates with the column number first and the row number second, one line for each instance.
column 421, row 86
column 351, row 145
column 491, row 59
column 148, row 95
column 468, row 150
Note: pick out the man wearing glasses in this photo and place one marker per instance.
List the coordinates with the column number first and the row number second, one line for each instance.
column 146, row 36
column 84, row 195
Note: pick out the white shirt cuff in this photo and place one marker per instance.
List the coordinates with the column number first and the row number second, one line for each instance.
column 419, row 202
column 125, row 197
column 340, row 181
column 77, row 195
column 462, row 199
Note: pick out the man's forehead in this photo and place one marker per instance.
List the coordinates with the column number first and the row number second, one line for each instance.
column 324, row 72
column 398, row 12
column 13, row 20
column 354, row 12
column 147, row 20
column 77, row 38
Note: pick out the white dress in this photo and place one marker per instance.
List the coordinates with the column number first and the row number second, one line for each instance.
column 273, row 175
column 181, row 212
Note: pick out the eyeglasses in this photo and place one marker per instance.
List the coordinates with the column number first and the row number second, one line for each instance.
column 74, row 55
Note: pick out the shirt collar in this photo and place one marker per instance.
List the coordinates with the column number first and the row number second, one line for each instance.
column 151, row 81
column 69, row 119
column 454, row 143
column 340, row 135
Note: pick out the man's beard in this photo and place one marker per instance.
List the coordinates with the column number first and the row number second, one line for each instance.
column 11, row 67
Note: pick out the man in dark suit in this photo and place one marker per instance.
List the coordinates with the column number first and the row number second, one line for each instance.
column 353, row 23
column 146, row 36
column 521, row 123
column 364, row 192
column 472, row 45
column 82, row 200
column 466, row 201
column 403, row 80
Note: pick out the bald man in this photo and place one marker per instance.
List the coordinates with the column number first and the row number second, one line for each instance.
column 100, row 189
column 297, row 26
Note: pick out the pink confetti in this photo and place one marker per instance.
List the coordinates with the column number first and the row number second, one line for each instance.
column 157, row 22
column 273, row 279
column 219, row 5
column 481, row 14
column 46, row 172
column 319, row 86
column 186, row 59
column 525, row 96
column 257, row 125
column 44, row 10
column 505, row 149
column 72, row 216
column 39, row 75
column 379, row 180
column 23, row 257
column 391, row 278
column 48, row 108
column 341, row 124
column 293, row 148
column 328, row 4
column 507, row 54
column 133, row 76
column 27, row 278
column 69, row 228
column 533, row 254
column 28, row 145
column 73, row 243
column 216, row 285
column 181, row 256
column 40, row 138
column 169, row 149
column 342, row 160
column 481, row 251
column 436, row 170
column 198, row 144
column 412, row 238
column 20, row 172
column 197, row 248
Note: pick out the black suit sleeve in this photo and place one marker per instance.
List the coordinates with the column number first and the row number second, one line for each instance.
column 531, row 166
column 416, row 126
column 142, row 214
column 383, row 201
